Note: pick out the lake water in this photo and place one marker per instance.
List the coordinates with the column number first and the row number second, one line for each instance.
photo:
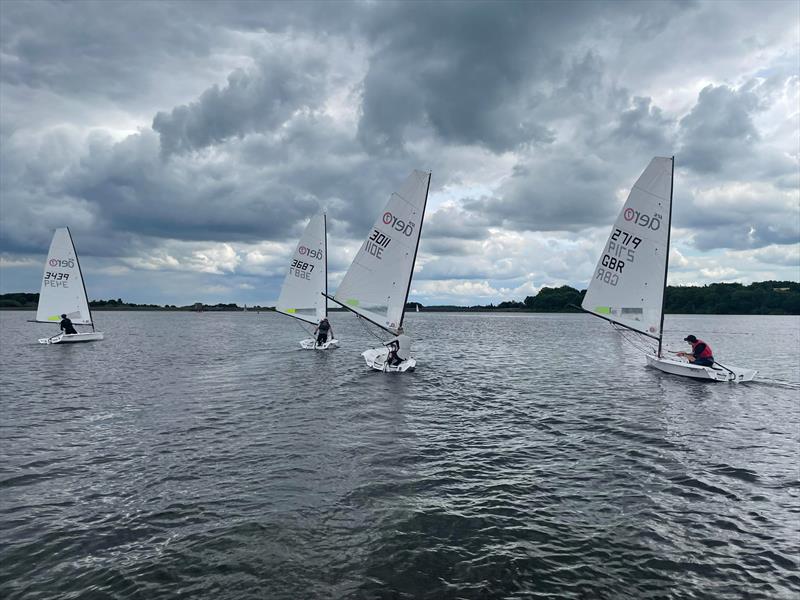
column 529, row 456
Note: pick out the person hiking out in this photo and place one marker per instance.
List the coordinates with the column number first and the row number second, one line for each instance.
column 323, row 329
column 701, row 354
column 67, row 326
column 399, row 348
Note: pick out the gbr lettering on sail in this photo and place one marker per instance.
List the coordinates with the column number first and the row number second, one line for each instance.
column 622, row 245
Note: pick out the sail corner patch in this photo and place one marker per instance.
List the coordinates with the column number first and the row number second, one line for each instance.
column 291, row 311
column 602, row 310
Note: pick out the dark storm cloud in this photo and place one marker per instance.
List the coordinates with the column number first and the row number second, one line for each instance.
column 738, row 216
column 250, row 102
column 451, row 222
column 719, row 127
column 742, row 236
column 472, row 72
column 250, row 117
column 566, row 193
column 644, row 126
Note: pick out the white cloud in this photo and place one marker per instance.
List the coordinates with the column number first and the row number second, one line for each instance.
column 265, row 115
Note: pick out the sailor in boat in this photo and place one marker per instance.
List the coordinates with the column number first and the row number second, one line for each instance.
column 701, row 354
column 399, row 348
column 322, row 331
column 66, row 326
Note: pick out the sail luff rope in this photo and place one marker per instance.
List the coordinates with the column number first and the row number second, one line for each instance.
column 368, row 330
column 626, row 336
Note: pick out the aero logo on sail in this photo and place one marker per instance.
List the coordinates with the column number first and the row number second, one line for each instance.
column 58, row 262
column 310, row 252
column 643, row 220
column 407, row 229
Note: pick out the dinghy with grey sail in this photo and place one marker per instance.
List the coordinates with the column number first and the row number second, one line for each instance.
column 377, row 283
column 630, row 279
column 63, row 292
column 303, row 292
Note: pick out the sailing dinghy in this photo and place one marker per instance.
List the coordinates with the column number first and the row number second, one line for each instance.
column 63, row 291
column 377, row 283
column 631, row 276
column 302, row 295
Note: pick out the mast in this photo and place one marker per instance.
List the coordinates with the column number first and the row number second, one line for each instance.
column 416, row 248
column 666, row 262
column 325, row 237
column 83, row 283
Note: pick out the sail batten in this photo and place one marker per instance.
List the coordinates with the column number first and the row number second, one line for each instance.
column 63, row 290
column 306, row 280
column 628, row 283
column 376, row 284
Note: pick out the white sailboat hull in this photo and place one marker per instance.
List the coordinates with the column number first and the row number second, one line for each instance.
column 376, row 359
column 311, row 344
column 73, row 338
column 685, row 369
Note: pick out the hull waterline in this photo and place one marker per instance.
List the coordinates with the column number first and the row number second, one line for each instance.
column 74, row 338
column 685, row 369
column 376, row 360
column 311, row 344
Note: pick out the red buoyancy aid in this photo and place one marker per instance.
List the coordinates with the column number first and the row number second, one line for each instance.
column 706, row 353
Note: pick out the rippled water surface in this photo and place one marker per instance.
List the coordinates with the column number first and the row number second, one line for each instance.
column 529, row 456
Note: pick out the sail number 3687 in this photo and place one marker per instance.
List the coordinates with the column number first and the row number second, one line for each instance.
column 301, row 269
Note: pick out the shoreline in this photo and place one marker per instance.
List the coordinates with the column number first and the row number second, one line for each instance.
column 504, row 311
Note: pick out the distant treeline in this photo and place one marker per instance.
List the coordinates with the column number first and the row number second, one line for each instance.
column 29, row 301
column 762, row 298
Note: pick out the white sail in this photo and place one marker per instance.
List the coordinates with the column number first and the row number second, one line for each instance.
column 628, row 283
column 306, row 281
column 63, row 290
column 377, row 282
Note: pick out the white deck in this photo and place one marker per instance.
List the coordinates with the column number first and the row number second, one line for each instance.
column 376, row 359
column 311, row 344
column 74, row 338
column 685, row 369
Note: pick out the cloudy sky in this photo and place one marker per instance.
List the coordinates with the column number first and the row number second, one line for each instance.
column 187, row 144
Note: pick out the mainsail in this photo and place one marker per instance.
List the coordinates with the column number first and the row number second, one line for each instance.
column 376, row 284
column 628, row 283
column 302, row 291
column 63, row 290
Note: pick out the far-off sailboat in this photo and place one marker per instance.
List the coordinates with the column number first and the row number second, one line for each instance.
column 63, row 292
column 302, row 295
column 631, row 276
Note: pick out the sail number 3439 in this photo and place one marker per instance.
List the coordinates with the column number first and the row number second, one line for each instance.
column 56, row 279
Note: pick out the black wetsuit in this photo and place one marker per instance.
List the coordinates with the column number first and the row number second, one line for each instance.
column 392, row 358
column 67, row 327
column 322, row 332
